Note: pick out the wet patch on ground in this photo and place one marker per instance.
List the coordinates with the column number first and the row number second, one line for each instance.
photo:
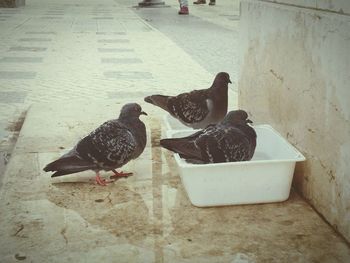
column 115, row 208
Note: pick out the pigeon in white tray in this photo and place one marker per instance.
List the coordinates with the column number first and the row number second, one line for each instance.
column 110, row 146
column 231, row 140
column 198, row 108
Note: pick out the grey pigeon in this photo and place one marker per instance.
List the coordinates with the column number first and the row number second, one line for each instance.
column 108, row 147
column 230, row 140
column 198, row 108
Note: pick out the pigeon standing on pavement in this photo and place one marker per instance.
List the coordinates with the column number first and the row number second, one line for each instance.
column 231, row 140
column 108, row 147
column 199, row 108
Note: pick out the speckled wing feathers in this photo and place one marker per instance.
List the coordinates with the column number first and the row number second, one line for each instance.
column 224, row 145
column 189, row 107
column 110, row 145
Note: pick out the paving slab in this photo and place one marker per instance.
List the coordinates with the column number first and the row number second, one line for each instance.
column 144, row 218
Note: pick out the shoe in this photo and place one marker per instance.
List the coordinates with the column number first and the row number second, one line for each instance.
column 200, row 2
column 212, row 3
column 183, row 10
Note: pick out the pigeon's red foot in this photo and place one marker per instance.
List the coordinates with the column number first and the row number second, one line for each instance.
column 101, row 181
column 118, row 175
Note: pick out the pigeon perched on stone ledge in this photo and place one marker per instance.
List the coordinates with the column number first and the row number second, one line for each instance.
column 199, row 108
column 110, row 146
column 230, row 140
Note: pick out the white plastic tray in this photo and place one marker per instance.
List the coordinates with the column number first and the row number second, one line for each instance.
column 266, row 178
column 173, row 124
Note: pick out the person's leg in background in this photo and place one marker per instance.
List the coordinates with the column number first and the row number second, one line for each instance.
column 183, row 7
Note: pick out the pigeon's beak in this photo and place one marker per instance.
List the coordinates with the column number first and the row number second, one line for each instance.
column 229, row 81
column 249, row 121
column 144, row 113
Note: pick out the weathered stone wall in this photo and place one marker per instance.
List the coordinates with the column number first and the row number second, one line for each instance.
column 339, row 6
column 295, row 75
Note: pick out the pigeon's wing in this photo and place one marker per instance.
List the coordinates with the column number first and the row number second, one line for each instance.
column 236, row 146
column 110, row 145
column 224, row 144
column 208, row 143
column 190, row 107
column 184, row 146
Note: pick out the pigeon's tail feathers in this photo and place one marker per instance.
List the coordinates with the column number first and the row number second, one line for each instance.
column 68, row 171
column 68, row 165
column 158, row 100
column 194, row 161
column 186, row 149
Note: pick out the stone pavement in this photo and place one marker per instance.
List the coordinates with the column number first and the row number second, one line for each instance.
column 144, row 218
column 65, row 67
